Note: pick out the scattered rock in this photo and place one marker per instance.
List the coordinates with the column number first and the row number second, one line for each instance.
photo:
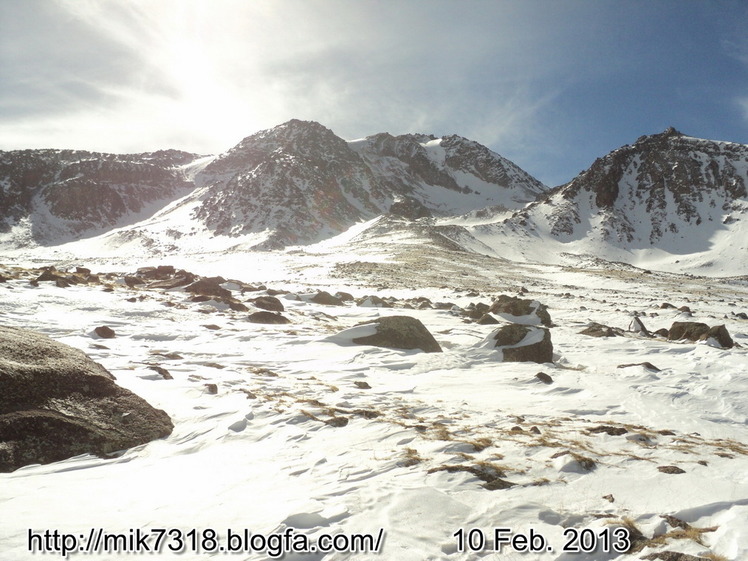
column 720, row 334
column 600, row 330
column 270, row 303
column 165, row 374
column 670, row 469
column 666, row 305
column 522, row 343
column 326, row 299
column 268, row 317
column 522, row 311
column 337, row 421
column 209, row 287
column 647, row 365
column 487, row 319
column 543, row 377
column 212, row 389
column 400, row 332
column 105, row 332
column 362, row 385
column 57, row 403
column 662, row 333
column 608, row 429
column 690, row 330
column 609, row 498
column 212, row 326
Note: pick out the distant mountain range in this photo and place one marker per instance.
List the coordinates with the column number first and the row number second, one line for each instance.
column 299, row 183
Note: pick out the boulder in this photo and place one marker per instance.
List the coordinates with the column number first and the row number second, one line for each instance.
column 209, row 287
column 521, row 343
column 521, row 311
column 719, row 334
column 690, row 330
column 268, row 317
column 400, row 332
column 270, row 303
column 600, row 330
column 326, row 299
column 56, row 403
column 105, row 332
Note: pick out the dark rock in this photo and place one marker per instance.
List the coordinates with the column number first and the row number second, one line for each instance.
column 211, row 388
column 543, row 377
column 362, row 385
column 132, row 282
column 519, row 307
column 105, row 332
column 400, row 332
column 685, row 309
column 212, row 326
column 690, row 330
column 209, row 287
column 523, row 343
column 674, row 470
column 270, row 303
column 477, row 311
column 237, row 306
column 666, row 305
column 57, row 403
column 165, row 374
column 337, row 421
column 609, row 430
column 487, row 319
column 182, row 279
column 326, row 299
column 83, row 271
column 647, row 365
column 720, row 334
column 599, row 330
column 268, row 317
column 662, row 333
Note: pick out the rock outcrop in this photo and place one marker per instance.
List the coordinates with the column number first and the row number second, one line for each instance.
column 400, row 332
column 56, row 403
column 521, row 343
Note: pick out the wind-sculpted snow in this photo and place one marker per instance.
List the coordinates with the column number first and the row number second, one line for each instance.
column 298, row 426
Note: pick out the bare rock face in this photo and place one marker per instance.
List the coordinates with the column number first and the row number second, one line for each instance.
column 522, row 343
column 56, row 403
column 400, row 332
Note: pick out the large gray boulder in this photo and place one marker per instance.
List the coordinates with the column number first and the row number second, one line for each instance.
column 521, row 343
column 400, row 332
column 55, row 402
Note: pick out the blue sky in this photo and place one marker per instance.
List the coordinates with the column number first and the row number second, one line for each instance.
column 550, row 84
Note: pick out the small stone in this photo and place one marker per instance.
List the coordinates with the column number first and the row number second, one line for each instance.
column 105, row 332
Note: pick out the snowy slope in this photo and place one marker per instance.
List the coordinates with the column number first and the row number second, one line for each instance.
column 668, row 201
column 416, row 436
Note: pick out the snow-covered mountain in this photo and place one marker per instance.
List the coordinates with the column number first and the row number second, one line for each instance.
column 293, row 184
column 52, row 196
column 668, row 198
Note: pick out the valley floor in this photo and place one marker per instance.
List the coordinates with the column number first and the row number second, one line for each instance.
column 308, row 432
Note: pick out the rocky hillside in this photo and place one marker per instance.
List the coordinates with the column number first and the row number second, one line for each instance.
column 51, row 196
column 293, row 184
column 666, row 190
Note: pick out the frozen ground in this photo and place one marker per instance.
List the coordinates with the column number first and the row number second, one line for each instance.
column 310, row 433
